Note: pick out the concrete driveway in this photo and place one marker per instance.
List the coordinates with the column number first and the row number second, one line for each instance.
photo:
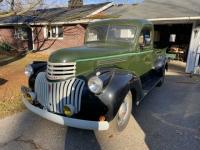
column 167, row 119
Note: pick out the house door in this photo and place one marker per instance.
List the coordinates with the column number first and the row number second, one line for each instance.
column 193, row 62
column 30, row 40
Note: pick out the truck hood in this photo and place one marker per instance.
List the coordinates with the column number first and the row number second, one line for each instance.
column 86, row 52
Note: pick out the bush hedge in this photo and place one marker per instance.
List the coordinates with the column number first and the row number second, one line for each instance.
column 4, row 46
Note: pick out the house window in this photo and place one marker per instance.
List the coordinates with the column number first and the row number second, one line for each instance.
column 54, row 32
column 21, row 33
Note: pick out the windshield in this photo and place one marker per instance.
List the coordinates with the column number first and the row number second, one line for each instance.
column 110, row 33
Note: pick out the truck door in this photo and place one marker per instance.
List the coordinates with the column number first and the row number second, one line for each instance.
column 145, row 46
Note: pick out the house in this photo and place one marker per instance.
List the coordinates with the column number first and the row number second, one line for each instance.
column 176, row 23
column 52, row 28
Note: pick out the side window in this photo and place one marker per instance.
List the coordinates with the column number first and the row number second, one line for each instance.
column 145, row 39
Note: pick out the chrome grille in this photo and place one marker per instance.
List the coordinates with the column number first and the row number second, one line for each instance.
column 55, row 95
column 59, row 71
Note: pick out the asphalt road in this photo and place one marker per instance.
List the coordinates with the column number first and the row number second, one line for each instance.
column 167, row 119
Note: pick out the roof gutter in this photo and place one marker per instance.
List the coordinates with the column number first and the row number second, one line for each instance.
column 51, row 23
column 175, row 18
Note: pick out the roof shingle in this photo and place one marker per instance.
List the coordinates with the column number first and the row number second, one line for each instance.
column 52, row 15
column 151, row 9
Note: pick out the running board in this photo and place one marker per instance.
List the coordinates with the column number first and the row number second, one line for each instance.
column 150, row 88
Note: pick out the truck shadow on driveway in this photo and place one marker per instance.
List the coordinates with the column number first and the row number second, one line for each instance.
column 80, row 140
column 169, row 116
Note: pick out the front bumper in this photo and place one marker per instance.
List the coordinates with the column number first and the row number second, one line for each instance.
column 72, row 122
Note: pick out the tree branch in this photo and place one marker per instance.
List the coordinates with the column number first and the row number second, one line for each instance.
column 11, row 13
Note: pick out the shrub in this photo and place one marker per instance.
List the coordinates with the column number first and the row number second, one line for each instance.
column 4, row 46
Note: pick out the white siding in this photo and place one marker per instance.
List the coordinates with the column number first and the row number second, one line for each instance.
column 194, row 45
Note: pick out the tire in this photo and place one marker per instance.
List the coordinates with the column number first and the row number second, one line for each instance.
column 121, row 120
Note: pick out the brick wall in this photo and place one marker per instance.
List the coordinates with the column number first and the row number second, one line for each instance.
column 7, row 35
column 73, row 35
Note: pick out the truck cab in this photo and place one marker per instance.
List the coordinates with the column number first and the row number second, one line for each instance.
column 94, row 86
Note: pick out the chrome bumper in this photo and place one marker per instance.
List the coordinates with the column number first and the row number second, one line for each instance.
column 72, row 122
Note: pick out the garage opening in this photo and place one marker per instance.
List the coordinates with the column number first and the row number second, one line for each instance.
column 175, row 38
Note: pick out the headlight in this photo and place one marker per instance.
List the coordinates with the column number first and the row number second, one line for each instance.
column 28, row 70
column 95, row 84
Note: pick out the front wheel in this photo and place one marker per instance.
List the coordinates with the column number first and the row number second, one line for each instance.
column 123, row 115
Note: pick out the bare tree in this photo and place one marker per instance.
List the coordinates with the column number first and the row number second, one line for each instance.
column 17, row 7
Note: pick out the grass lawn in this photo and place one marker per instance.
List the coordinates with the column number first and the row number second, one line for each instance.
column 11, row 78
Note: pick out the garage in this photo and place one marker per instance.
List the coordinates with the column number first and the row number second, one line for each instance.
column 175, row 38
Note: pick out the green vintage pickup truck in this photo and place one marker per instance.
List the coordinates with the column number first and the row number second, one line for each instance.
column 94, row 86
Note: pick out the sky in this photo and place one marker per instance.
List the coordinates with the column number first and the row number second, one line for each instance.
column 64, row 2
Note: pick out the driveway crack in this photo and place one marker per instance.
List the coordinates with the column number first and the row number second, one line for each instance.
column 19, row 139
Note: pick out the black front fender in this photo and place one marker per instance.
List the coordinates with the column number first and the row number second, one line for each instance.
column 160, row 63
column 38, row 66
column 115, row 91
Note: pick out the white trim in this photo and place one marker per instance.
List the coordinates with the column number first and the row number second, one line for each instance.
column 33, row 38
column 72, row 122
column 175, row 18
column 45, row 32
column 49, row 23
column 92, row 20
column 101, row 9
